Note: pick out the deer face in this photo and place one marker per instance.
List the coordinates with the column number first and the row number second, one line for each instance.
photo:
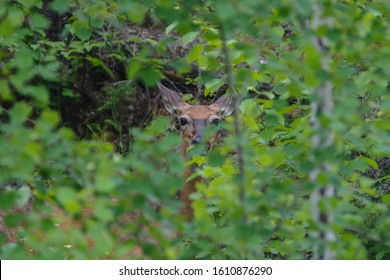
column 194, row 119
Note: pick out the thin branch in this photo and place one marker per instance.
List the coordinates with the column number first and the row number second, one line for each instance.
column 237, row 124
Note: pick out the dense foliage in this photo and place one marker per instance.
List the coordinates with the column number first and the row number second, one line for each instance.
column 89, row 171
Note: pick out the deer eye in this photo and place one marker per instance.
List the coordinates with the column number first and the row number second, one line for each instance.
column 183, row 121
column 216, row 121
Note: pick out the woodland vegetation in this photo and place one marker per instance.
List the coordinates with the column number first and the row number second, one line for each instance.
column 88, row 154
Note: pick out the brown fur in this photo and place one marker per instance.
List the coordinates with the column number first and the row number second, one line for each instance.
column 196, row 119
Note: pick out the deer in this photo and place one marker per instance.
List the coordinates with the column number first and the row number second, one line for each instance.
column 193, row 121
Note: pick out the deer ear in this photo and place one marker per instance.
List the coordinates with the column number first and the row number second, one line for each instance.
column 224, row 105
column 171, row 99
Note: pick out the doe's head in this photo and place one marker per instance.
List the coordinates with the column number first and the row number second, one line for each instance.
column 193, row 119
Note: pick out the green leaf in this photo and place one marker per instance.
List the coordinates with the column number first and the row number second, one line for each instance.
column 192, row 176
column 189, row 37
column 137, row 12
column 15, row 17
column 3, row 239
column 215, row 158
column 12, row 220
column 158, row 126
column 370, row 162
column 19, row 113
column 150, row 75
column 69, row 93
column 29, row 3
column 5, row 92
column 170, row 27
column 81, row 29
column 8, row 199
column 97, row 22
column 101, row 238
column 213, row 85
column 24, row 194
column 50, row 117
column 133, row 69
column 386, row 198
column 382, row 124
column 380, row 255
column 194, row 53
column 272, row 117
column 39, row 93
column 98, row 63
column 359, row 164
column 68, row 198
column 60, row 6
column 210, row 33
column 102, row 211
column 38, row 21
column 104, row 181
column 49, row 71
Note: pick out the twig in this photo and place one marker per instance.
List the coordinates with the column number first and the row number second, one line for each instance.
column 237, row 125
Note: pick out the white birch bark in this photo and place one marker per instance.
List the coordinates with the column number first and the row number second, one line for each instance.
column 322, row 140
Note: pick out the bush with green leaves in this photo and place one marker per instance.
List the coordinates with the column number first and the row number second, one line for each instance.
column 303, row 174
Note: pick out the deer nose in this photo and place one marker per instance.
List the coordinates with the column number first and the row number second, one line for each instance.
column 196, row 139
